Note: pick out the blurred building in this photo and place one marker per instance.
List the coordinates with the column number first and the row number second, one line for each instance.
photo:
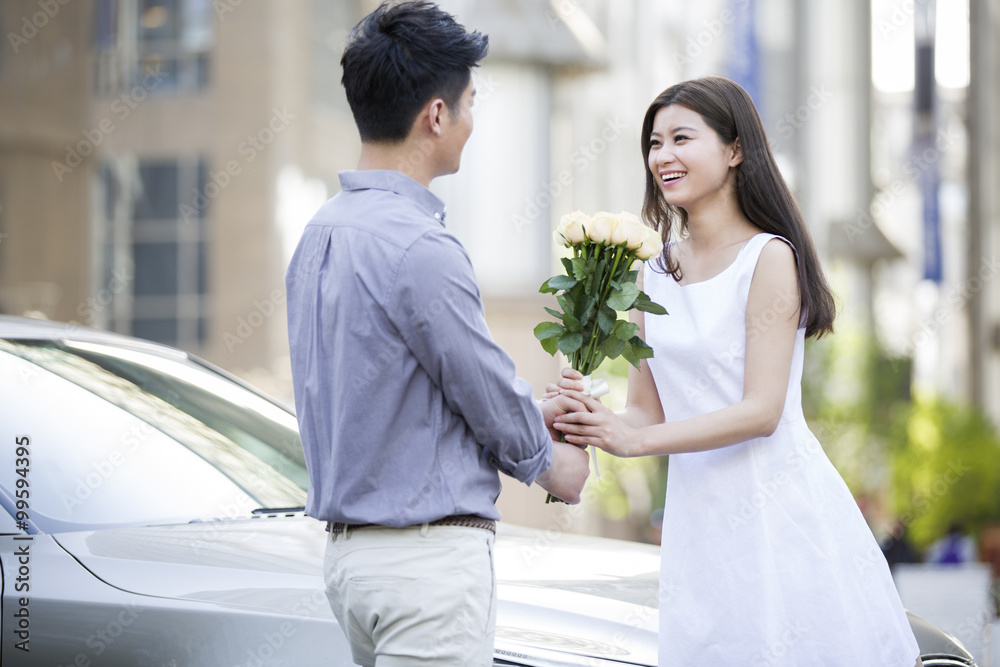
column 159, row 158
column 984, row 205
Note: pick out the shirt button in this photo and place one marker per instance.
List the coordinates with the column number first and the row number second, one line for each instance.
column 437, row 216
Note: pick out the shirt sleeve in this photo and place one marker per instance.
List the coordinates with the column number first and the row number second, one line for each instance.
column 436, row 307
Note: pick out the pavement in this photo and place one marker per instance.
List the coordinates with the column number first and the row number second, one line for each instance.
column 955, row 598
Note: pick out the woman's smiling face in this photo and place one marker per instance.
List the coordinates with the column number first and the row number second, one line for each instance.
column 687, row 157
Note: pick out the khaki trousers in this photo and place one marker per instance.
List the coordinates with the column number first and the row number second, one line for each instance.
column 424, row 595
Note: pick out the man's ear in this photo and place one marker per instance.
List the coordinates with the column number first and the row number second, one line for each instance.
column 437, row 114
column 737, row 153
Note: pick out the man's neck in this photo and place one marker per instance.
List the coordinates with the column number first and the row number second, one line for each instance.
column 412, row 157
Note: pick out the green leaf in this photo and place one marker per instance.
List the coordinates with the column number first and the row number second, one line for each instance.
column 625, row 330
column 547, row 330
column 579, row 268
column 584, row 310
column 553, row 312
column 551, row 345
column 606, row 319
column 643, row 303
column 567, row 302
column 548, row 333
column 613, row 347
column 570, row 343
column 629, row 353
column 624, row 298
column 642, row 351
column 568, row 265
column 560, row 282
column 572, row 324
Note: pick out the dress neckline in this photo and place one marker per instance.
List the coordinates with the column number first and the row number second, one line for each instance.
column 723, row 271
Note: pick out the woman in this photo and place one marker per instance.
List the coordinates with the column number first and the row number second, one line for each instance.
column 766, row 559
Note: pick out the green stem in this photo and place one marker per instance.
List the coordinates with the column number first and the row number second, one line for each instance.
column 591, row 352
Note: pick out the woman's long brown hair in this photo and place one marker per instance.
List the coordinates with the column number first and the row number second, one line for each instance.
column 763, row 196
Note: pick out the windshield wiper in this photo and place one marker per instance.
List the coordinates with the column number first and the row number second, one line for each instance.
column 278, row 510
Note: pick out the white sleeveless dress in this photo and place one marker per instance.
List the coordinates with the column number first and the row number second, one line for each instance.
column 766, row 558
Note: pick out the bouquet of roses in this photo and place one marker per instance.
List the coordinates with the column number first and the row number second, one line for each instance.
column 598, row 284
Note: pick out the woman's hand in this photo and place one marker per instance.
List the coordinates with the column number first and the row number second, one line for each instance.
column 570, row 380
column 599, row 427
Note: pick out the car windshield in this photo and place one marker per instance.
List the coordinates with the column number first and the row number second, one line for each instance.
column 134, row 434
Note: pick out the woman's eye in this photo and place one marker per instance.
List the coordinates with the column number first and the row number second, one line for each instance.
column 680, row 137
column 654, row 143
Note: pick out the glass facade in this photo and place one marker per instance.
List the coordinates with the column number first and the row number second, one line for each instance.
column 156, row 249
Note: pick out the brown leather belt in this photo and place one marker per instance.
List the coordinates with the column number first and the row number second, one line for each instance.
column 465, row 520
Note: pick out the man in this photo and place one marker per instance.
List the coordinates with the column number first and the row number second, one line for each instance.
column 406, row 406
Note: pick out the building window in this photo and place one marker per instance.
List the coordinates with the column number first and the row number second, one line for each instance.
column 155, row 251
column 170, row 39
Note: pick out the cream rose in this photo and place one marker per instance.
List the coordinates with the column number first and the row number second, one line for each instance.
column 572, row 229
column 630, row 230
column 651, row 246
column 602, row 227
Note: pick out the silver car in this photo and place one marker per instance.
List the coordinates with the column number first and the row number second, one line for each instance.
column 152, row 516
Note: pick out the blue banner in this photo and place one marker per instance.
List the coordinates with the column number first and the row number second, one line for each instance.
column 743, row 58
column 930, row 184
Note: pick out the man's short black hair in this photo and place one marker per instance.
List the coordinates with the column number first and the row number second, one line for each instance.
column 400, row 57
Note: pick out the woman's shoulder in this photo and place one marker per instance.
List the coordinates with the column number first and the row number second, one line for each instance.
column 776, row 257
column 777, row 248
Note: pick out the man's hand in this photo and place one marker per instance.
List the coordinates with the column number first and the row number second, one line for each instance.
column 567, row 473
column 558, row 404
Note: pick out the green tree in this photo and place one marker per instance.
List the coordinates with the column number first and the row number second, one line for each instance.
column 945, row 469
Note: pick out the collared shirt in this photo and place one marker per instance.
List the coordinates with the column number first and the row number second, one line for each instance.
column 406, row 406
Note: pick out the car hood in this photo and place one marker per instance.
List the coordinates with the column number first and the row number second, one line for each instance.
column 560, row 595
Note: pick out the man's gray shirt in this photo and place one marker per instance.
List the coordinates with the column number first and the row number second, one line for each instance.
column 406, row 406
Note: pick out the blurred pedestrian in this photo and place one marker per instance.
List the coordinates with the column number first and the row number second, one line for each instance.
column 954, row 548
column 897, row 548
